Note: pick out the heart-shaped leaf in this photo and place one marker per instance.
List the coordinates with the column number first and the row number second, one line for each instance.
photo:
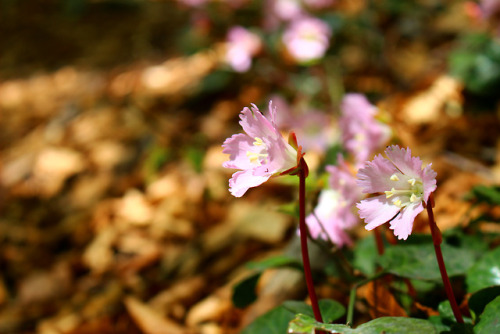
column 479, row 300
column 419, row 261
column 273, row 322
column 330, row 309
column 485, row 272
column 244, row 292
column 489, row 321
column 304, row 324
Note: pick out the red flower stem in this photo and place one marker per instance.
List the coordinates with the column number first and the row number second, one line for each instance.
column 303, row 240
column 379, row 241
column 437, row 239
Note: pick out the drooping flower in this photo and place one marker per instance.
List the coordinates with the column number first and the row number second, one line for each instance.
column 261, row 152
column 362, row 134
column 404, row 186
column 242, row 46
column 307, row 39
column 334, row 214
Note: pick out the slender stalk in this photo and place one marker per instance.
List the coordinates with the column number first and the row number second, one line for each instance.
column 437, row 239
column 352, row 296
column 303, row 241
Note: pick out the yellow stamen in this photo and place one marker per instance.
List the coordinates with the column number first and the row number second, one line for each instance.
column 258, row 142
column 411, row 181
column 394, row 177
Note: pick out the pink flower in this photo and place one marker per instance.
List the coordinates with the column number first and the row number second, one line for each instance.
column 242, row 46
column 325, row 221
column 307, row 39
column 406, row 187
column 334, row 213
column 260, row 153
column 362, row 134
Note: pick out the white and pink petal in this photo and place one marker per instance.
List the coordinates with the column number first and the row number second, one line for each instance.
column 244, row 180
column 376, row 211
column 402, row 224
column 375, row 176
column 402, row 159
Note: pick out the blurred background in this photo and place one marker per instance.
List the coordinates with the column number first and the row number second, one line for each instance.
column 115, row 215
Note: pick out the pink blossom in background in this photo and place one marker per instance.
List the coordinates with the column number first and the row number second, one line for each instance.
column 242, row 46
column 287, row 10
column 405, row 185
column 489, row 8
column 325, row 222
column 196, row 3
column 313, row 128
column 319, row 4
column 314, row 131
column 362, row 134
column 193, row 3
column 342, row 178
column 334, row 214
column 307, row 39
column 284, row 119
column 260, row 152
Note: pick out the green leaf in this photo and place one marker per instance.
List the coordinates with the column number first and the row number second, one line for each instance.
column 446, row 312
column 479, row 300
column 273, row 322
column 490, row 195
column 437, row 321
column 275, row 262
column 447, row 316
column 489, row 321
column 473, row 243
column 389, row 325
column 304, row 324
column 365, row 255
column 485, row 272
column 330, row 309
column 244, row 292
column 195, row 156
column 419, row 261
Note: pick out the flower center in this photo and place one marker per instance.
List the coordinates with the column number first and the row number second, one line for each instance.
column 413, row 191
column 258, row 156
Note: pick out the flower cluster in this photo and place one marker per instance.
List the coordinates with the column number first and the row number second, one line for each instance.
column 261, row 152
column 404, row 188
column 334, row 213
column 362, row 134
